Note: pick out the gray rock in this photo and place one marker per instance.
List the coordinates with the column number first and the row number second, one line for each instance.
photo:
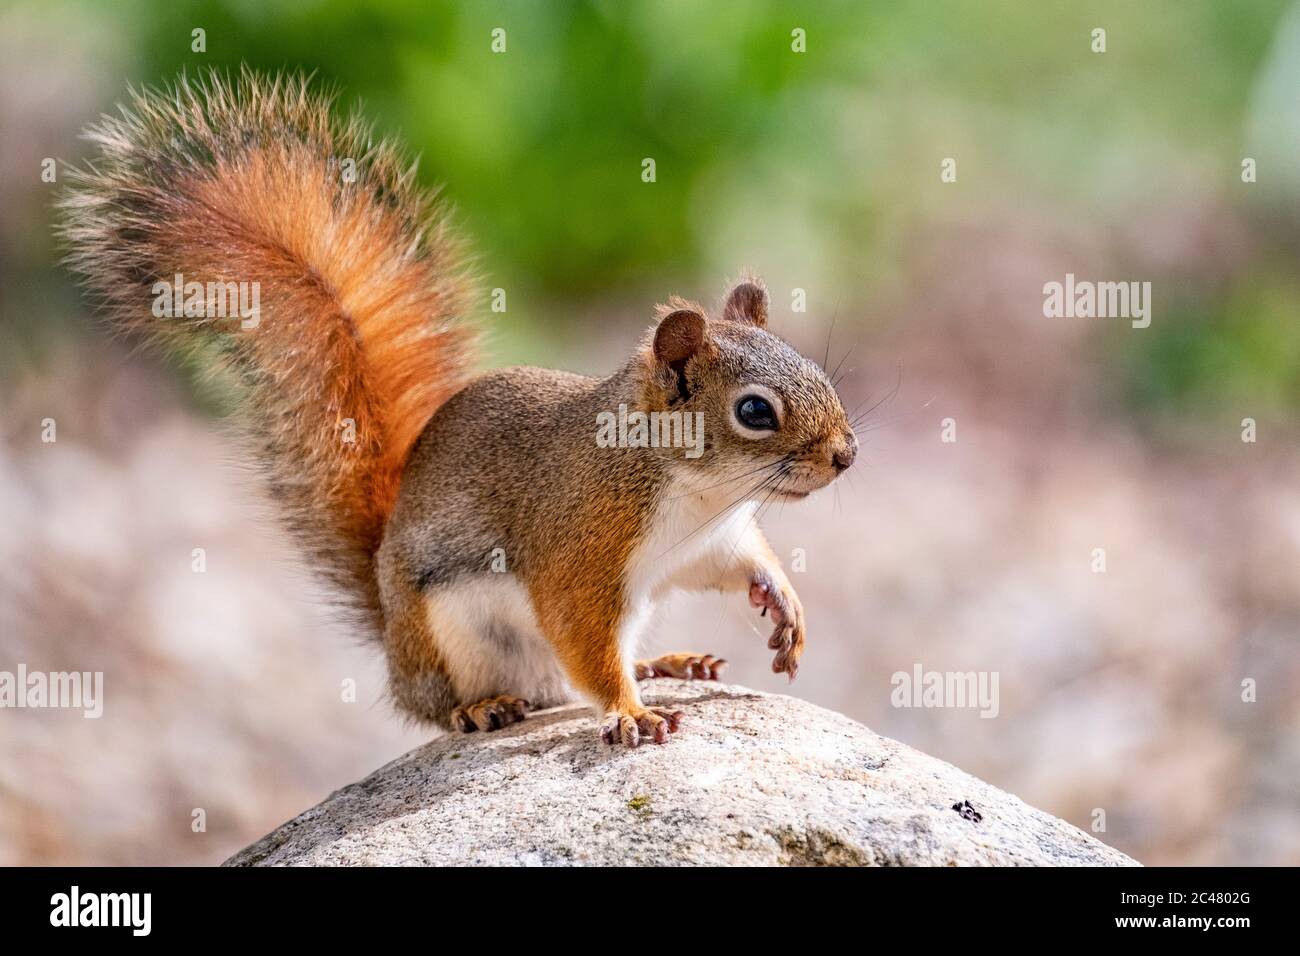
column 751, row 778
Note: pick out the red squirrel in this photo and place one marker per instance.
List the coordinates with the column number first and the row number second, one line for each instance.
column 503, row 556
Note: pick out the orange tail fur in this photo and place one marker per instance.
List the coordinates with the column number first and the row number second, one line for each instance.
column 358, row 283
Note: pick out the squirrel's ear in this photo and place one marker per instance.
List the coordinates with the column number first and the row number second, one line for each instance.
column 679, row 336
column 747, row 302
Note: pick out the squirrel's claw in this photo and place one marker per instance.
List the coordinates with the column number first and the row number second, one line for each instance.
column 490, row 714
column 648, row 723
column 683, row 665
column 787, row 617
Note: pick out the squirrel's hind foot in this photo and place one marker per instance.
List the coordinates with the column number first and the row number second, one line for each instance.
column 684, row 665
column 490, row 714
column 630, row 728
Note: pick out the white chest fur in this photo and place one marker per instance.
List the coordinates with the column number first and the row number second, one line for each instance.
column 696, row 542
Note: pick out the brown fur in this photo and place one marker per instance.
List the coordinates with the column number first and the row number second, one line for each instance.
column 361, row 285
column 510, row 463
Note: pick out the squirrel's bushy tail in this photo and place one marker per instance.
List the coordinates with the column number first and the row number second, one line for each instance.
column 358, row 285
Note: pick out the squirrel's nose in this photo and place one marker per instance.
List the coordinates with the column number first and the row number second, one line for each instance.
column 843, row 456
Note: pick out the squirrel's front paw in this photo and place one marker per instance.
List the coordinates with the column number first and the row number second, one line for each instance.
column 630, row 727
column 787, row 617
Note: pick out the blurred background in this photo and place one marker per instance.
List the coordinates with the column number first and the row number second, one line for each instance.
column 1119, row 691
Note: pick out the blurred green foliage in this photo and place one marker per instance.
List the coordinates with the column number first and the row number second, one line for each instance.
column 542, row 146
column 824, row 162
column 1242, row 356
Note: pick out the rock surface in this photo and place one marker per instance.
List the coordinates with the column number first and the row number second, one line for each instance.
column 751, row 778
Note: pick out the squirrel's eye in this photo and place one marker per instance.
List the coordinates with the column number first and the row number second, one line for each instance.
column 754, row 411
